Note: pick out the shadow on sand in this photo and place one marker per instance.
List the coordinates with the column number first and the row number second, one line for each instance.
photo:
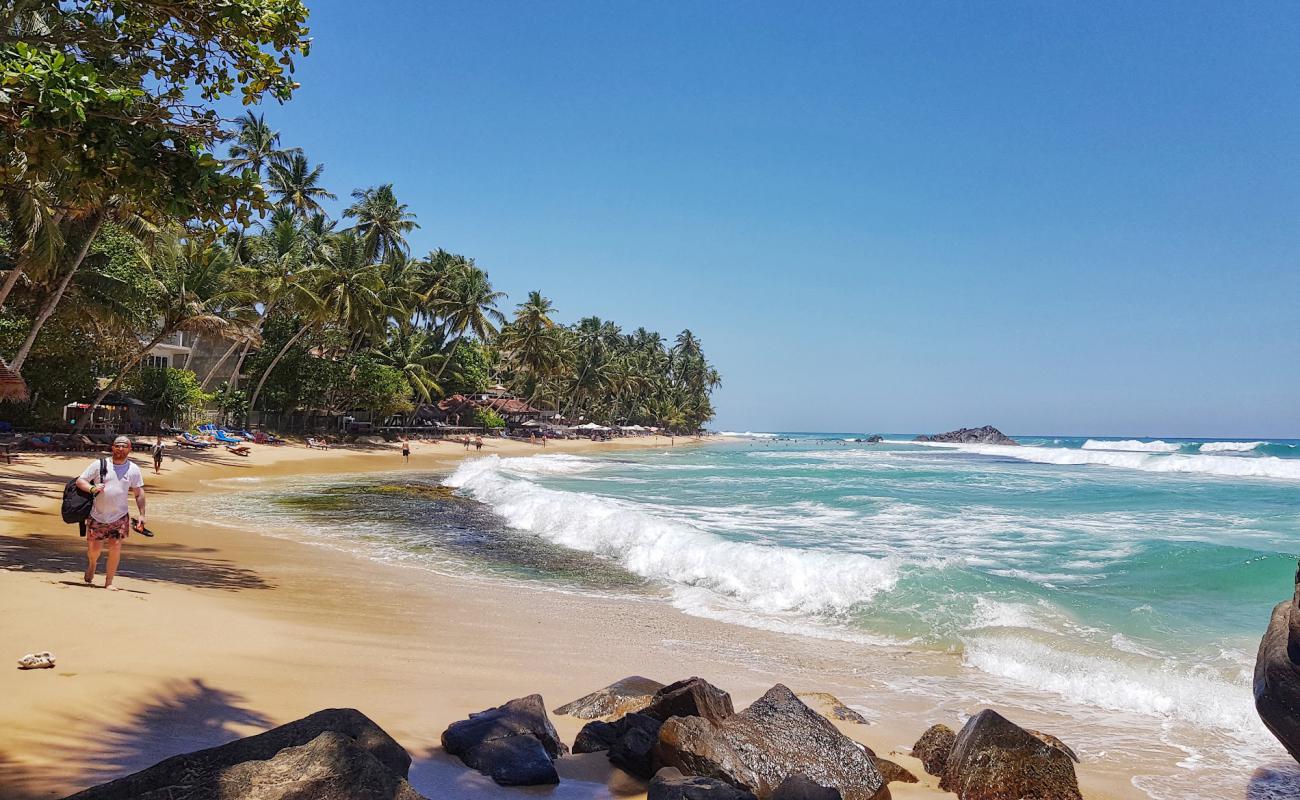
column 159, row 562
column 187, row 715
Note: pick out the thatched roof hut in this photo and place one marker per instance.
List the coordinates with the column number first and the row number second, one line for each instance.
column 12, row 386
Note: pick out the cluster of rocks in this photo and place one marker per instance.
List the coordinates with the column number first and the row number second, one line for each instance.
column 686, row 739
column 985, row 435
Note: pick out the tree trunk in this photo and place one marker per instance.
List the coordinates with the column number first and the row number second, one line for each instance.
column 450, row 355
column 15, row 272
column 52, row 302
column 198, row 337
column 121, row 376
column 262, row 382
column 208, row 378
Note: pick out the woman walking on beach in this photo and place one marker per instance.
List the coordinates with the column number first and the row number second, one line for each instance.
column 110, row 515
column 157, row 451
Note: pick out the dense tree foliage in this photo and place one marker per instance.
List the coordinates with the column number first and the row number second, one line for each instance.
column 125, row 221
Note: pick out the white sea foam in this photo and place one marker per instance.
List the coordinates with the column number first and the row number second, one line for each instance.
column 1132, row 445
column 1230, row 447
column 1138, row 685
column 749, row 434
column 1224, row 466
column 766, row 578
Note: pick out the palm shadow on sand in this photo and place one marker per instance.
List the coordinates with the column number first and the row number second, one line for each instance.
column 186, row 716
column 157, row 562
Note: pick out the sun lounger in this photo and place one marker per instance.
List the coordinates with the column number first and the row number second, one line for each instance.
column 186, row 440
column 239, row 449
column 225, row 438
column 318, row 444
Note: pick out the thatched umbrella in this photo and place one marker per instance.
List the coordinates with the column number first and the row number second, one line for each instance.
column 12, row 386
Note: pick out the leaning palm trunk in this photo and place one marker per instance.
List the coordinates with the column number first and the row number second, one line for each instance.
column 221, row 361
column 450, row 355
column 52, row 302
column 121, row 376
column 252, row 403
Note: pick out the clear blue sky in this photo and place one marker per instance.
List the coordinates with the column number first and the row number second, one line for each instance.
column 1053, row 218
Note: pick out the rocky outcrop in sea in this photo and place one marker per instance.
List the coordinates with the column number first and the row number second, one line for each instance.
column 985, row 435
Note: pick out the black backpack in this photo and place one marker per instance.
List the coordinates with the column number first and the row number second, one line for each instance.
column 77, row 504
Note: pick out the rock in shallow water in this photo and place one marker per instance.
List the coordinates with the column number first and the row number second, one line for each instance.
column 758, row 748
column 995, row 759
column 632, row 693
column 1277, row 673
column 670, row 784
column 199, row 775
column 504, row 742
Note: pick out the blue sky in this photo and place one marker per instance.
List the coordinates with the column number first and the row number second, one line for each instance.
column 878, row 217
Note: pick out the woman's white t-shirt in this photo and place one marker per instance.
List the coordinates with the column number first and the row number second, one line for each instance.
column 112, row 503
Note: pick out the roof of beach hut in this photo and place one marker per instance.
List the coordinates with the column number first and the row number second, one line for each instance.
column 12, row 385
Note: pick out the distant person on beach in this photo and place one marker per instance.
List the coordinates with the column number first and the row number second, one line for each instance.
column 406, row 449
column 157, row 451
column 110, row 514
column 478, row 442
column 466, row 441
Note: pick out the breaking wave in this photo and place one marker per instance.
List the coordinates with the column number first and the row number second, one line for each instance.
column 1132, row 445
column 1230, row 447
column 1222, row 466
column 764, row 578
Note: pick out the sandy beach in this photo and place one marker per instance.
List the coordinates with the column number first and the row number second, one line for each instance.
column 218, row 633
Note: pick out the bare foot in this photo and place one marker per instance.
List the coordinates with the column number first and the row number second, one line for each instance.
column 88, row 577
column 112, row 588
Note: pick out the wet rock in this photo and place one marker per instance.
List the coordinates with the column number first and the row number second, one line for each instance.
column 875, row 438
column 596, row 736
column 670, row 784
column 1277, row 673
column 758, row 748
column 893, row 773
column 513, row 761
column 933, row 747
column 633, row 749
column 995, row 759
column 799, row 787
column 828, row 705
column 197, row 775
column 693, row 697
column 984, row 435
column 632, row 693
column 499, row 742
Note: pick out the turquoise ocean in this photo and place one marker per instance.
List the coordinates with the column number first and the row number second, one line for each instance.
column 1122, row 582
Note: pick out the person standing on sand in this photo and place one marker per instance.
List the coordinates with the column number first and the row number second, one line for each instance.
column 406, row 449
column 110, row 515
column 157, row 451
column 478, row 442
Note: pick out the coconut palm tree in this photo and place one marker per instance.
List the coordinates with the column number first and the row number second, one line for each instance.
column 382, row 222
column 468, row 307
column 296, row 185
column 257, row 147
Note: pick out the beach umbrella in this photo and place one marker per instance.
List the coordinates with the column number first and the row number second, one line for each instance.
column 12, row 386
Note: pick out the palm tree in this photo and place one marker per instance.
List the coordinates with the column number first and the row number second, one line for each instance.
column 382, row 222
column 296, row 185
column 468, row 306
column 531, row 342
column 192, row 283
column 257, row 147
column 414, row 354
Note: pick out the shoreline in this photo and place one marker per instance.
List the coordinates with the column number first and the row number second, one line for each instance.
column 142, row 677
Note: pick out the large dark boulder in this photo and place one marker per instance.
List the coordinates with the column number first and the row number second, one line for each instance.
column 985, row 435
column 632, row 693
column 1277, row 673
column 633, row 751
column 670, row 784
column 595, row 737
column 933, row 748
column 799, row 787
column 504, row 742
column 995, row 759
column 693, row 697
column 329, row 767
column 197, row 775
column 513, row 761
column 776, row 737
